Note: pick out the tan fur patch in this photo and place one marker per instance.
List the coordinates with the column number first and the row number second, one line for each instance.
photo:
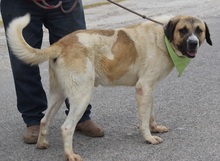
column 123, row 49
column 74, row 54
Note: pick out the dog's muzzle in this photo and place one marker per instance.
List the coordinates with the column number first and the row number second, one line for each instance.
column 192, row 45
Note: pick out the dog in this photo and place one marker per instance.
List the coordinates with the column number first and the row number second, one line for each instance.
column 131, row 56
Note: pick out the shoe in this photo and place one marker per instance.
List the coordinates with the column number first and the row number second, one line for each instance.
column 31, row 134
column 89, row 128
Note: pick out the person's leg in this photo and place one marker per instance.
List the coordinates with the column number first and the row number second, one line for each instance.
column 31, row 97
column 59, row 25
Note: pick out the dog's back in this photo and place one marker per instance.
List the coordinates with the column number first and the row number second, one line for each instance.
column 121, row 55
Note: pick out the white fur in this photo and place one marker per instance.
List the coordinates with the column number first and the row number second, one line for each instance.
column 17, row 42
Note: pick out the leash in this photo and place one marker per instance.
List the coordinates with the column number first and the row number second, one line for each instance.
column 143, row 16
column 45, row 5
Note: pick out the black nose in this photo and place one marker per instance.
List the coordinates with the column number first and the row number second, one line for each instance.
column 192, row 44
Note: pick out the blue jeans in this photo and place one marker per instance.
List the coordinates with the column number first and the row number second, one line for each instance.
column 31, row 97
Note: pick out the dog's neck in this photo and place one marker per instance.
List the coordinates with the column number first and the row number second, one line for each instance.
column 180, row 62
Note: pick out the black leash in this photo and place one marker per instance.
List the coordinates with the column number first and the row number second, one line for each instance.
column 143, row 16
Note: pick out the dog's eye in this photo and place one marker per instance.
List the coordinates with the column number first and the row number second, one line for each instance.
column 198, row 30
column 183, row 30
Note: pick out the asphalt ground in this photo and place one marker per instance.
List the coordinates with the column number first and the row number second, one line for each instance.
column 189, row 105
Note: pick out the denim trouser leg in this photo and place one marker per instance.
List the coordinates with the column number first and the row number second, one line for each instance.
column 67, row 24
column 31, row 97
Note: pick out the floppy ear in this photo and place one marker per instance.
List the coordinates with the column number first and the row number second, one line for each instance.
column 207, row 35
column 170, row 27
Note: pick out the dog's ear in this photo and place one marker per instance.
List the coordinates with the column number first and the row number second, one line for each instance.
column 207, row 35
column 170, row 27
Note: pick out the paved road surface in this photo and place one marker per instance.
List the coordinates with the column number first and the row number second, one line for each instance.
column 189, row 105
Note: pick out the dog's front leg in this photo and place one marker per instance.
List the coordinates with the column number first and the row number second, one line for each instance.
column 153, row 125
column 145, row 103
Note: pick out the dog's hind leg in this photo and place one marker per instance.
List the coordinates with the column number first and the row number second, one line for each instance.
column 56, row 98
column 78, row 88
column 77, row 108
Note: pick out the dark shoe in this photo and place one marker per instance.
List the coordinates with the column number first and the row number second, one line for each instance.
column 89, row 128
column 31, row 134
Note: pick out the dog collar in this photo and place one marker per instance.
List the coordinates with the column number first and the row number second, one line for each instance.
column 180, row 62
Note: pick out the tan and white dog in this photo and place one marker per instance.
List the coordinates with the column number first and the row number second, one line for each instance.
column 131, row 56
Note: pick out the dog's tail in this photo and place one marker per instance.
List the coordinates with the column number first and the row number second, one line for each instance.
column 23, row 50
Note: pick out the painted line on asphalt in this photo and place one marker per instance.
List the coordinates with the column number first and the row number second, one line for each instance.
column 99, row 4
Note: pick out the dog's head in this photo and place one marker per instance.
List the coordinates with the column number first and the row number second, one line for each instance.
column 186, row 34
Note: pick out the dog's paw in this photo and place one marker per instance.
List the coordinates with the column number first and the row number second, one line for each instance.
column 154, row 140
column 159, row 129
column 42, row 145
column 74, row 157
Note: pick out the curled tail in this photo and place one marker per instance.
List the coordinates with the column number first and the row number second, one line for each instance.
column 22, row 49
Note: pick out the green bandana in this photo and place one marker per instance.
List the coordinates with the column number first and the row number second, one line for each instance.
column 180, row 62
